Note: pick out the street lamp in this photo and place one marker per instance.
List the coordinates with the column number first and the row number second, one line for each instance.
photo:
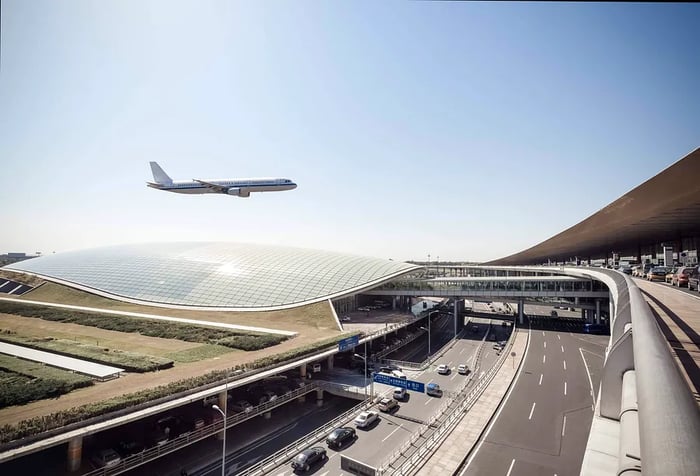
column 223, row 451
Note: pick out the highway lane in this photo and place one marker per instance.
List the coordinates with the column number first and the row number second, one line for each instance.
column 374, row 445
column 543, row 426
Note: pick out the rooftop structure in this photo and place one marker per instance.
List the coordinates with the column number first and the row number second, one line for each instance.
column 214, row 276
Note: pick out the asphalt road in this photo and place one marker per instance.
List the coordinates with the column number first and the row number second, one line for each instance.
column 543, row 426
column 375, row 444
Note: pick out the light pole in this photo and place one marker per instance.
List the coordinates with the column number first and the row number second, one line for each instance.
column 428, row 329
column 223, row 450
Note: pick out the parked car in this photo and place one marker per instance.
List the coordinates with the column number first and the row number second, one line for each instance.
column 680, row 277
column 443, row 369
column 400, row 393
column 365, row 419
column 694, row 279
column 433, row 390
column 129, row 448
column 308, row 458
column 340, row 436
column 242, row 406
column 107, row 458
column 657, row 274
column 644, row 271
column 387, row 404
column 462, row 369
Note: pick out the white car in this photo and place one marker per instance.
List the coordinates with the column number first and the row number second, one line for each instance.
column 365, row 419
column 443, row 369
column 462, row 369
column 400, row 393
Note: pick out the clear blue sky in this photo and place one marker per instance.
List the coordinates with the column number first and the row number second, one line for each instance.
column 463, row 130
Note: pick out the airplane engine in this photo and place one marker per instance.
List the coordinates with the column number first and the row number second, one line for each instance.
column 238, row 192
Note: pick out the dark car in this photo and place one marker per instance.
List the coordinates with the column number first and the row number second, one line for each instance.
column 309, row 457
column 694, row 279
column 340, row 436
column 129, row 448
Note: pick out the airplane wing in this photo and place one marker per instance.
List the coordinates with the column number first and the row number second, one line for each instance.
column 217, row 188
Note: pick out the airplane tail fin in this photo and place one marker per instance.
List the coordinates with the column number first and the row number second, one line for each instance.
column 159, row 175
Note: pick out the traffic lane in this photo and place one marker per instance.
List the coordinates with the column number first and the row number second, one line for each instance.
column 562, row 422
column 287, row 424
column 375, row 444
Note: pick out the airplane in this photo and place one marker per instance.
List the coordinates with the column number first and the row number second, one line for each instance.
column 236, row 187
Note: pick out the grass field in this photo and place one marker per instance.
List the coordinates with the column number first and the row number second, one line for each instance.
column 39, row 370
column 130, row 361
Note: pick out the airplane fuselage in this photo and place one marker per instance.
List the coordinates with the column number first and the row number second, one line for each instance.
column 247, row 185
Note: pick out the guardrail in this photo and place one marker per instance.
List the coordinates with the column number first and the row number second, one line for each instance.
column 288, row 452
column 453, row 411
column 194, row 436
column 426, row 363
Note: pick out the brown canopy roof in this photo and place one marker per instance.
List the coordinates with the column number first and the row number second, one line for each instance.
column 665, row 208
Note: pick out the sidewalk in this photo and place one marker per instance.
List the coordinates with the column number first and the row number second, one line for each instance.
column 452, row 452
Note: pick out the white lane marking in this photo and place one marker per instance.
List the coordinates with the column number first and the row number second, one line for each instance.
column 544, row 359
column 454, row 374
column 558, row 337
column 511, row 468
column 502, row 405
column 428, row 401
column 532, row 410
column 563, row 428
column 562, row 348
column 481, row 374
column 590, row 382
column 565, row 365
column 460, row 352
column 564, row 388
column 542, row 333
column 541, row 375
column 449, row 363
column 545, row 344
column 389, row 435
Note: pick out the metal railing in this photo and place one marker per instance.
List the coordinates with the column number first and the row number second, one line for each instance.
column 194, row 436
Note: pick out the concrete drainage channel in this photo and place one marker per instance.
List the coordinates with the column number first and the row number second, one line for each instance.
column 413, row 455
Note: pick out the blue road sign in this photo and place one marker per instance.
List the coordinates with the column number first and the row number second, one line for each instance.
column 348, row 343
column 399, row 382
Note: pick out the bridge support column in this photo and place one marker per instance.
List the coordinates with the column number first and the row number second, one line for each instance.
column 583, row 314
column 302, row 371
column 223, row 400
column 521, row 311
column 319, row 397
column 393, row 303
column 267, row 415
column 597, row 311
column 75, row 453
column 330, row 362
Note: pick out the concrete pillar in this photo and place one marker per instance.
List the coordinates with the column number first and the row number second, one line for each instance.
column 302, row 371
column 319, row 397
column 223, row 400
column 267, row 415
column 597, row 311
column 330, row 362
column 521, row 311
column 583, row 314
column 75, row 453
column 393, row 303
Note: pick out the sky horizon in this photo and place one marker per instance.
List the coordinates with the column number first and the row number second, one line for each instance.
column 468, row 131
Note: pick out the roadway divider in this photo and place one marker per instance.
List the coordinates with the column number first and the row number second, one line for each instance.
column 413, row 455
column 290, row 451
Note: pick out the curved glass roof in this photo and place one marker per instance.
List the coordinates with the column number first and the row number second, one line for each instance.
column 215, row 275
